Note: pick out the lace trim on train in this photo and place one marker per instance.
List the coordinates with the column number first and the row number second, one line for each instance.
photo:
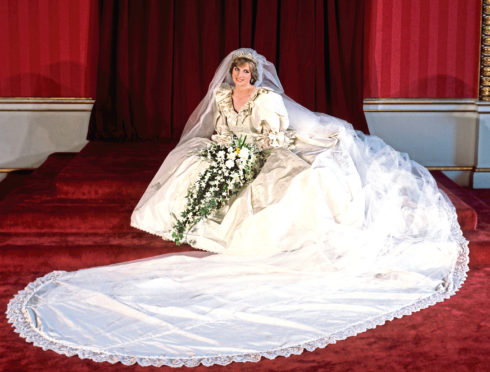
column 18, row 316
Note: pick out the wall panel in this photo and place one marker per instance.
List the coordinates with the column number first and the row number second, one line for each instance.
column 437, row 133
column 48, row 48
column 422, row 48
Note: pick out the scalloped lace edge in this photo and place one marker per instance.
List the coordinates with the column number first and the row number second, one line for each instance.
column 18, row 316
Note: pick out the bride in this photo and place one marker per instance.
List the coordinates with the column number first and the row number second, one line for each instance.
column 337, row 234
column 300, row 197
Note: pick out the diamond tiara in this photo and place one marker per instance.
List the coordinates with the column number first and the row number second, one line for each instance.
column 245, row 53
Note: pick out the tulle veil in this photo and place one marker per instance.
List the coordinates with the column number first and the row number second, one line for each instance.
column 310, row 126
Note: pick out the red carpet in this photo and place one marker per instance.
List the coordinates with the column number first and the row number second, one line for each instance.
column 74, row 212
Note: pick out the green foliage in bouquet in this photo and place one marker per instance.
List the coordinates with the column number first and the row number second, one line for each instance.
column 230, row 168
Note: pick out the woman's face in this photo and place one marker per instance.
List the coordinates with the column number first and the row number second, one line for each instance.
column 241, row 75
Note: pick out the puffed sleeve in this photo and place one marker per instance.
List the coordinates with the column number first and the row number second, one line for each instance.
column 270, row 118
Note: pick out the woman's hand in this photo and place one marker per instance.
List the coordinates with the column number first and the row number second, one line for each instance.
column 276, row 139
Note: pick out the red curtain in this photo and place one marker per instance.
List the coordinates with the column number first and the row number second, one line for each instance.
column 422, row 49
column 156, row 58
column 47, row 48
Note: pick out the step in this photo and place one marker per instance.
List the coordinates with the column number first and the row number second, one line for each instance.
column 467, row 216
column 40, row 181
column 480, row 241
column 483, row 195
column 465, row 194
column 73, row 256
column 104, row 215
column 479, row 252
column 12, row 182
column 112, row 170
column 461, row 199
column 67, row 216
column 134, row 238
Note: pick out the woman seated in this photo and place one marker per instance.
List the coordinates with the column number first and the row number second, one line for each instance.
column 307, row 186
column 322, row 233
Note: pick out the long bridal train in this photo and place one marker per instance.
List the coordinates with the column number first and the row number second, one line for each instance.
column 213, row 309
column 187, row 309
column 332, row 238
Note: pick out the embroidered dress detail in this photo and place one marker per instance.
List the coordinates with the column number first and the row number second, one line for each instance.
column 225, row 103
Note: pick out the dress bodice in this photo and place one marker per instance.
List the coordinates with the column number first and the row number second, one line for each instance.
column 263, row 118
column 236, row 120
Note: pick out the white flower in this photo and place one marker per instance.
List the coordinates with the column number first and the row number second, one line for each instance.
column 230, row 163
column 221, row 154
column 232, row 155
column 244, row 153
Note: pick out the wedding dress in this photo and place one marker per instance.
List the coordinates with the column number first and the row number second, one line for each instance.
column 336, row 235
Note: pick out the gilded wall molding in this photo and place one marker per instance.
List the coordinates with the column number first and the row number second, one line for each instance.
column 484, row 83
column 420, row 105
column 14, row 170
column 469, row 168
column 57, row 100
column 46, row 104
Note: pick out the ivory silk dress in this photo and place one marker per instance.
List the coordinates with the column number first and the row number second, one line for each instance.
column 333, row 237
column 297, row 197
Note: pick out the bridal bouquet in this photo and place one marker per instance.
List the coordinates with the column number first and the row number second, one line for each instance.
column 231, row 167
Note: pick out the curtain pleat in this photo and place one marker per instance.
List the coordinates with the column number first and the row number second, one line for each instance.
column 156, row 58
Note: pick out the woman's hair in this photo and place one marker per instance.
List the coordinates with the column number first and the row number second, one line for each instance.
column 240, row 61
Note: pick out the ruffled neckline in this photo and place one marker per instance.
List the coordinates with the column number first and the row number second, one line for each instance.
column 225, row 92
column 225, row 102
column 250, row 98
